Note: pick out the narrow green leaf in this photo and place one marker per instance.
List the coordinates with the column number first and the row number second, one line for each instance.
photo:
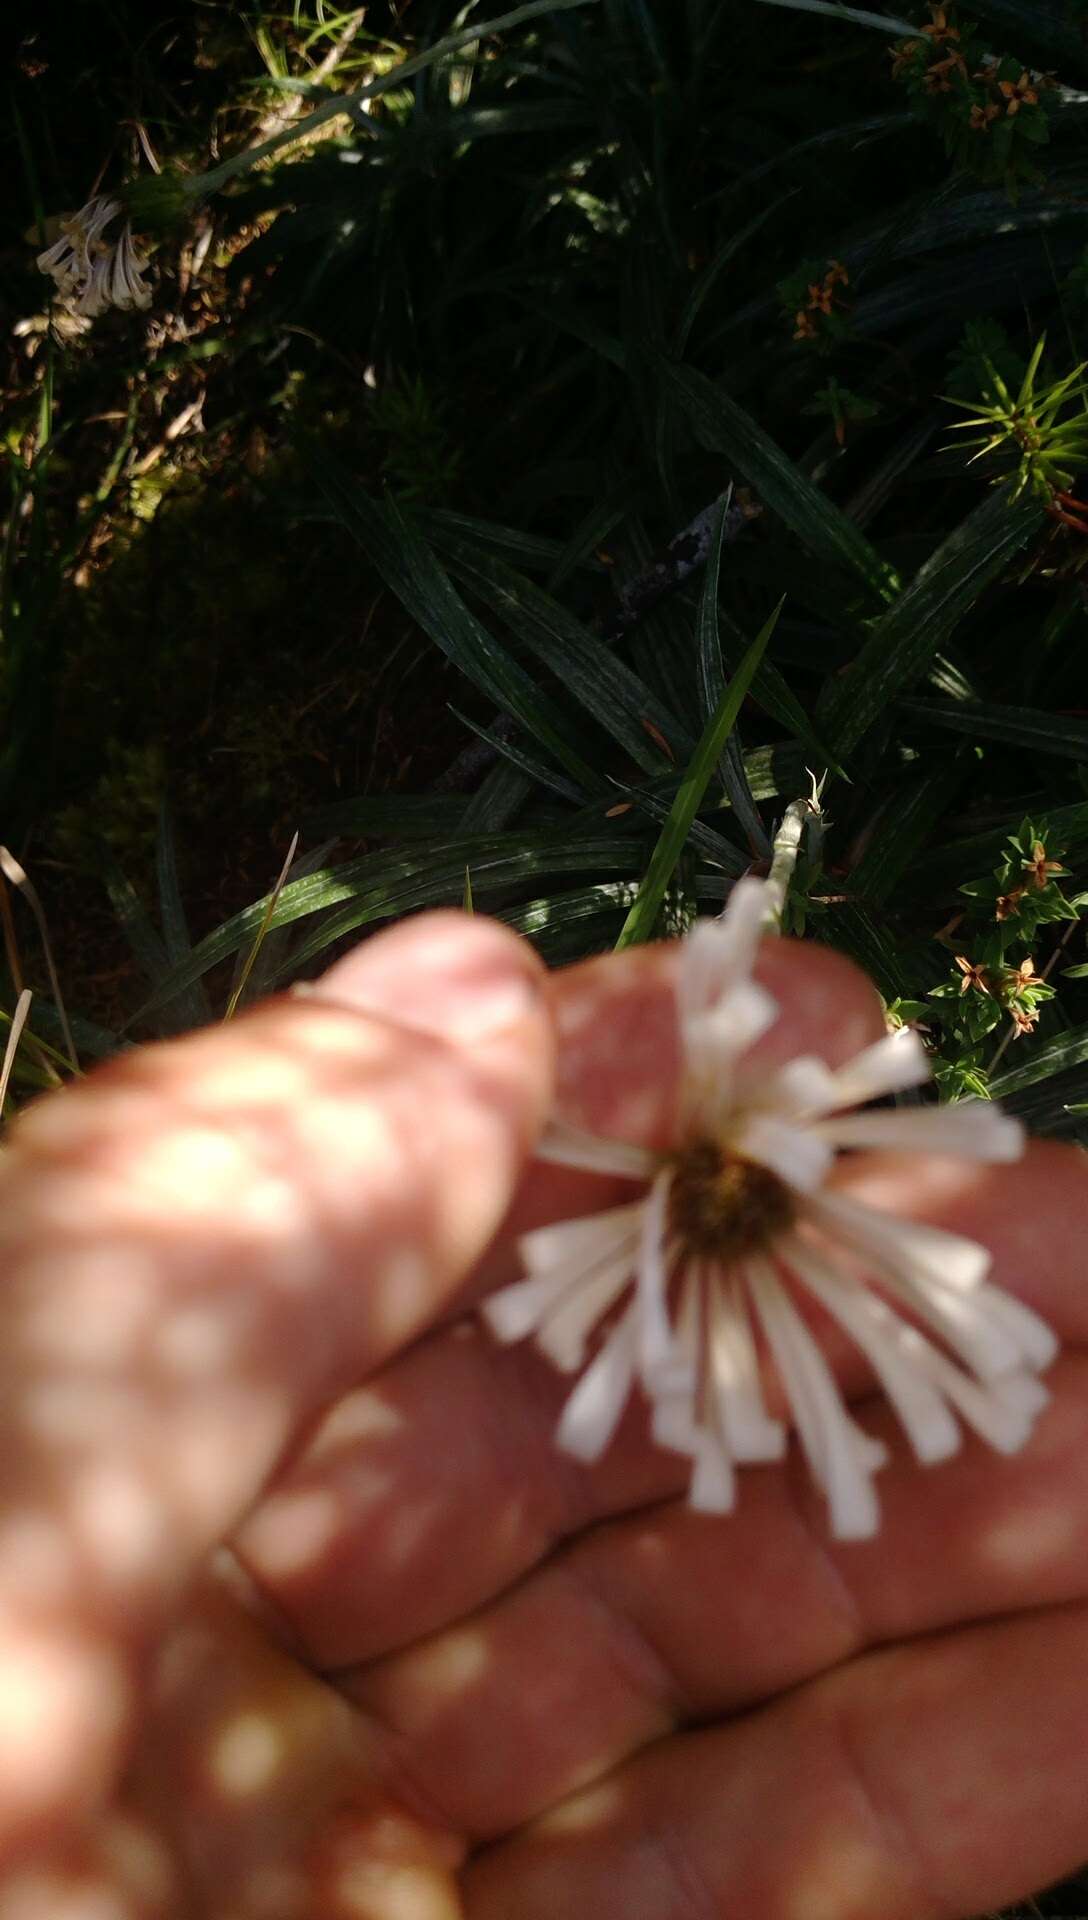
column 1058, row 1055
column 642, row 918
column 903, row 826
column 712, row 676
column 499, row 799
column 903, row 642
column 410, row 569
column 608, row 689
column 262, row 930
column 381, row 885
column 534, row 771
column 708, row 277
column 819, row 524
column 1027, row 727
column 853, row 16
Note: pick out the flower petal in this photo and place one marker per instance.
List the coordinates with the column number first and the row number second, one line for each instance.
column 877, row 1332
column 890, row 1065
column 795, row 1154
column 716, row 953
column 713, row 1486
column 975, row 1129
column 714, row 1041
column 842, row 1459
column 954, row 1303
column 595, row 1408
column 735, row 1376
column 929, row 1252
column 566, row 1325
column 567, row 1146
column 1003, row 1412
column 657, row 1353
column 573, row 1246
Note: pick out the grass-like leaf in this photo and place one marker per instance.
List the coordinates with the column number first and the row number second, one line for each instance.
column 410, row 569
column 1033, row 730
column 732, row 770
column 1059, row 1055
column 618, row 700
column 819, row 524
column 642, row 918
column 903, row 642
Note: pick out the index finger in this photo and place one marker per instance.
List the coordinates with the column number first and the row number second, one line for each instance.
column 200, row 1248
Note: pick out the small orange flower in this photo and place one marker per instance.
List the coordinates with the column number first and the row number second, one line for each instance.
column 938, row 78
column 938, row 29
column 1023, row 1022
column 982, row 116
column 972, row 976
column 902, row 55
column 1021, row 976
column 1008, row 905
column 804, row 326
column 1039, row 868
column 1018, row 93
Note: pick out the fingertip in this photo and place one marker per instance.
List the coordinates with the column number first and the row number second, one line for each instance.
column 449, row 974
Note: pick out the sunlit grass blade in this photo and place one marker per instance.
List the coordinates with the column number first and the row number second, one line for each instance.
column 642, row 918
column 15, row 1034
column 251, row 957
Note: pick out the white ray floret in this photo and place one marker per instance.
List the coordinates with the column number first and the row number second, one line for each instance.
column 695, row 1290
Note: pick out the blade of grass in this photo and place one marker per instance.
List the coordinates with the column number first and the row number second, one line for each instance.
column 642, row 918
column 410, row 569
column 853, row 16
column 712, row 675
column 255, row 949
column 12, row 871
column 15, row 1031
column 819, row 524
column 1033, row 730
column 903, row 642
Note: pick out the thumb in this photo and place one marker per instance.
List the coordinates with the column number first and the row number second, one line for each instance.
column 202, row 1245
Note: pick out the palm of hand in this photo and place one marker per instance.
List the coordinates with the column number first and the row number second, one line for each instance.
column 441, row 1670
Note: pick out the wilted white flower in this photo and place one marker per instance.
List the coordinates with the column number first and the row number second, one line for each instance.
column 91, row 271
column 685, row 1283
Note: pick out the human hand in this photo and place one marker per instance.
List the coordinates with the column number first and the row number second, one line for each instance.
column 440, row 1668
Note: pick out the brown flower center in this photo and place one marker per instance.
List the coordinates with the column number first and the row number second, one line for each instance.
column 723, row 1205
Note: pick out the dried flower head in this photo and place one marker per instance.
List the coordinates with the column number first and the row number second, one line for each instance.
column 687, row 1289
column 91, row 271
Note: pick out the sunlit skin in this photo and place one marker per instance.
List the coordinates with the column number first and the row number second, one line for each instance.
column 302, row 1617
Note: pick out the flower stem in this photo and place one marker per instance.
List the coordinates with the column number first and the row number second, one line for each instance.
column 784, row 851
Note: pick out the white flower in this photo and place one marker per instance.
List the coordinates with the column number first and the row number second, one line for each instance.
column 91, row 272
column 688, row 1282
